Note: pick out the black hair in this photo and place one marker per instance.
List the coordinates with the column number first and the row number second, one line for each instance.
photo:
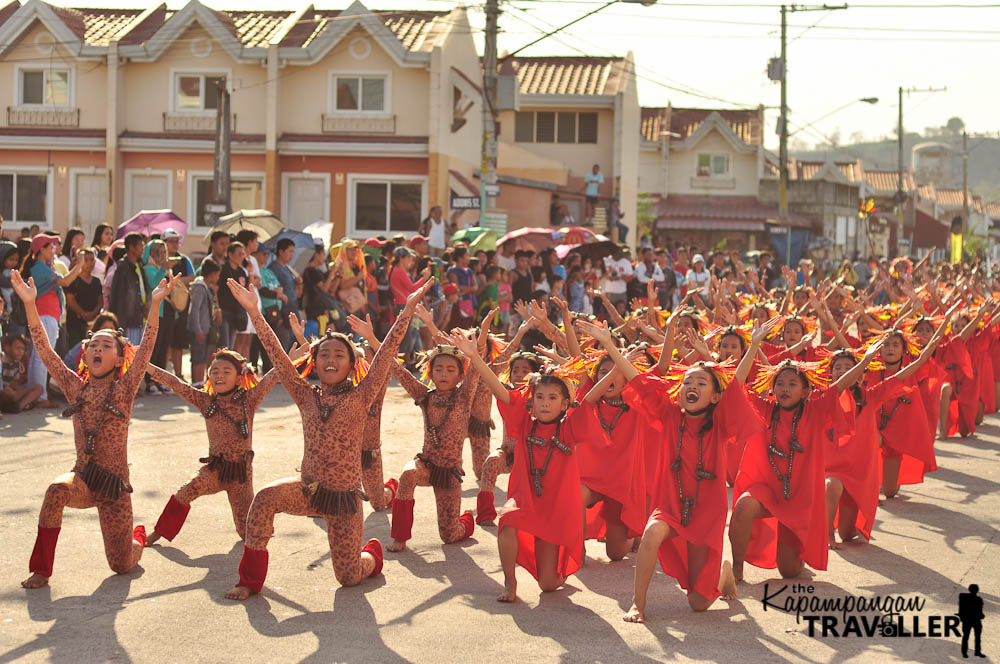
column 217, row 235
column 284, row 243
column 105, row 317
column 98, row 232
column 246, row 236
column 133, row 239
column 11, row 337
column 458, row 252
column 208, row 268
column 68, row 242
column 233, row 246
column 552, row 379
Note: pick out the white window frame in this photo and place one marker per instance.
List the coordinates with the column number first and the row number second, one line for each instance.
column 18, row 88
column 331, row 95
column 192, row 195
column 711, row 172
column 286, row 179
column 76, row 171
column 176, row 73
column 354, row 179
column 49, row 173
column 132, row 172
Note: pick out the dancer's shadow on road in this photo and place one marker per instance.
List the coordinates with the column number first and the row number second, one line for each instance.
column 952, row 526
column 974, row 486
column 76, row 620
column 220, row 572
column 350, row 624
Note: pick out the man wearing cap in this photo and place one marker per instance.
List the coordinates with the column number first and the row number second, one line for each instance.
column 418, row 243
column 698, row 277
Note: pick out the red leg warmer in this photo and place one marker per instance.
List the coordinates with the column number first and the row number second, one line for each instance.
column 139, row 534
column 402, row 519
column 374, row 547
column 172, row 518
column 393, row 485
column 253, row 568
column 44, row 552
column 485, row 511
column 469, row 522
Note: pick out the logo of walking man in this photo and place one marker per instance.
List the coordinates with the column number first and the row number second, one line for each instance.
column 970, row 612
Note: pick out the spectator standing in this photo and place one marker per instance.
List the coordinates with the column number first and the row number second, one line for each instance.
column 74, row 241
column 614, row 216
column 283, row 255
column 618, row 273
column 84, row 297
column 522, row 285
column 157, row 268
column 864, row 271
column 183, row 267
column 234, row 316
column 129, row 291
column 349, row 267
column 272, row 301
column 104, row 235
column 647, row 270
column 592, row 182
column 505, row 257
column 402, row 284
column 436, row 231
column 318, row 286
column 463, row 277
column 698, row 278
column 218, row 243
column 246, row 334
column 765, row 271
column 8, row 263
column 555, row 211
column 201, row 316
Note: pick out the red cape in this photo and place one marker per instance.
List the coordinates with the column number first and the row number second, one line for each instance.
column 732, row 419
column 904, row 429
column 555, row 515
column 803, row 515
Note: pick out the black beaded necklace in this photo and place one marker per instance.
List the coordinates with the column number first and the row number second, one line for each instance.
column 614, row 403
column 793, row 447
column 107, row 409
column 688, row 502
column 553, row 444
column 240, row 395
column 447, row 402
column 342, row 388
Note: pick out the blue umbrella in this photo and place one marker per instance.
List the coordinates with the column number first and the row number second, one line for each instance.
column 304, row 247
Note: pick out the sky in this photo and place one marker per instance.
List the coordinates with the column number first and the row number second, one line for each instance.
column 714, row 54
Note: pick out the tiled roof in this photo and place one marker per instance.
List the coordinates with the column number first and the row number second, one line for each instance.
column 651, row 122
column 102, row 24
column 570, row 75
column 927, row 192
column 255, row 29
column 807, row 170
column 412, row 28
column 745, row 123
column 881, row 181
column 703, row 210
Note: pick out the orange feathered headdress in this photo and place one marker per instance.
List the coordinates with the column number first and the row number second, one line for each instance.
column 535, row 361
column 808, row 325
column 723, row 373
column 427, row 359
column 911, row 345
column 248, row 377
column 359, row 366
column 813, row 372
column 556, row 372
column 127, row 350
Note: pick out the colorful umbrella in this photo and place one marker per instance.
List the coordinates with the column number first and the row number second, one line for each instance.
column 264, row 222
column 478, row 238
column 577, row 235
column 149, row 222
column 304, row 247
column 534, row 238
column 321, row 231
column 594, row 250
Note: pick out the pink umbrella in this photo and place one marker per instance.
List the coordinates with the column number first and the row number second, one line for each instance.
column 149, row 222
column 534, row 238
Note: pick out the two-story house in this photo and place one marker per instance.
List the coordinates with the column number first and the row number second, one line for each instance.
column 575, row 113
column 701, row 168
column 359, row 117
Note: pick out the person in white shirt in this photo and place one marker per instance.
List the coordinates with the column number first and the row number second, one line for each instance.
column 647, row 270
column 436, row 231
column 698, row 277
column 505, row 257
column 618, row 272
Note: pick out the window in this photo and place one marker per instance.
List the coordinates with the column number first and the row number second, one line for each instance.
column 365, row 94
column 550, row 127
column 713, row 164
column 197, row 92
column 23, row 197
column 244, row 194
column 44, row 87
column 381, row 207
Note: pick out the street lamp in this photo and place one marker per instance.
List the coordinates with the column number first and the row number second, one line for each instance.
column 866, row 100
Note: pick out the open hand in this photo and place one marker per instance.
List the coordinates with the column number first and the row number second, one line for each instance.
column 165, row 286
column 761, row 332
column 598, row 331
column 26, row 291
column 464, row 340
column 364, row 328
column 414, row 298
column 246, row 297
column 297, row 327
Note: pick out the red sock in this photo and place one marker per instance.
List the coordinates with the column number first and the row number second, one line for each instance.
column 253, row 568
column 44, row 552
column 139, row 534
column 469, row 523
column 374, row 547
column 392, row 485
column 402, row 519
column 172, row 518
column 485, row 511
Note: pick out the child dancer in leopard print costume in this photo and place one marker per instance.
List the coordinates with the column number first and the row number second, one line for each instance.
column 333, row 417
column 101, row 396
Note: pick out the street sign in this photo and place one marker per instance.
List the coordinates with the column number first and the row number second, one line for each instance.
column 465, row 202
column 492, row 189
column 217, row 208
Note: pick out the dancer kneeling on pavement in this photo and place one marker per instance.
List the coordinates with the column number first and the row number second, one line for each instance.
column 101, row 396
column 541, row 525
column 228, row 402
column 333, row 416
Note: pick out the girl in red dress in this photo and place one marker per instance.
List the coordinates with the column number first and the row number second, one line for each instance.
column 778, row 503
column 541, row 527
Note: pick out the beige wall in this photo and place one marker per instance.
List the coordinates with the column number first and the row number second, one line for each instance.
column 578, row 158
column 39, row 48
column 305, row 90
column 650, row 171
column 684, row 164
column 627, row 146
column 459, row 50
column 148, row 86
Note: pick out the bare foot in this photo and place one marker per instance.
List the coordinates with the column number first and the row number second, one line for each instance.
column 509, row 592
column 36, row 580
column 634, row 615
column 153, row 538
column 488, row 524
column 240, row 592
column 728, row 581
column 395, row 546
column 389, row 495
column 833, row 543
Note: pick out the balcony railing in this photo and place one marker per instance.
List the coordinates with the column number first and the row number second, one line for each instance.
column 339, row 124
column 194, row 124
column 42, row 117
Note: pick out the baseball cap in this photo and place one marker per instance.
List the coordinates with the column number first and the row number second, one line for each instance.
column 698, row 258
column 170, row 234
column 39, row 241
column 402, row 252
column 417, row 240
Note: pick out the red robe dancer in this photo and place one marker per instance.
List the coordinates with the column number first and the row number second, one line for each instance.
column 543, row 494
column 902, row 423
column 982, row 367
column 954, row 355
column 930, row 379
column 784, row 471
column 695, row 508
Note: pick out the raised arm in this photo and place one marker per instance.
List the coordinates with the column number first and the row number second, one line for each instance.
column 137, row 371
column 602, row 334
column 466, row 343
column 413, row 387
column 760, row 333
column 928, row 350
column 263, row 387
column 65, row 377
column 667, row 352
column 572, row 343
column 852, row 376
column 601, row 386
column 197, row 398
column 966, row 333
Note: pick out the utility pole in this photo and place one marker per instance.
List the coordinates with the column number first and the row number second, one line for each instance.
column 221, row 173
column 900, row 193
column 965, row 186
column 488, row 168
column 783, row 122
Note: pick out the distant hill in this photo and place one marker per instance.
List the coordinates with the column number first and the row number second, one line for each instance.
column 984, row 158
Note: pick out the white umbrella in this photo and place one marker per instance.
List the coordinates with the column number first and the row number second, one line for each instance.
column 321, row 231
column 264, row 222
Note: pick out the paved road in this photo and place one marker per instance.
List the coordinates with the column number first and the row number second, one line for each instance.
column 436, row 603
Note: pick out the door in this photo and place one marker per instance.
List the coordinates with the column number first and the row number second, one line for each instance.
column 149, row 192
column 306, row 202
column 90, row 204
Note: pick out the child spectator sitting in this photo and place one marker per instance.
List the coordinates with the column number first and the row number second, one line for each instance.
column 15, row 394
